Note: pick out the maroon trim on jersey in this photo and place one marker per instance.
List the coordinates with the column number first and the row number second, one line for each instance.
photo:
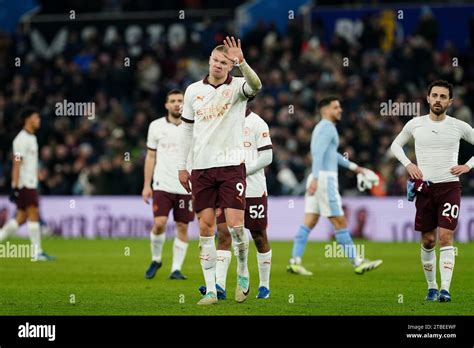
column 247, row 112
column 263, row 148
column 168, row 120
column 249, row 98
column 186, row 120
column 227, row 81
column 149, row 148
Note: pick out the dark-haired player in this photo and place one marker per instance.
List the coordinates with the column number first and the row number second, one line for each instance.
column 322, row 191
column 25, row 182
column 161, row 165
column 437, row 137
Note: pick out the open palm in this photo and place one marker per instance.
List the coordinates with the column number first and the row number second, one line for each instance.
column 234, row 50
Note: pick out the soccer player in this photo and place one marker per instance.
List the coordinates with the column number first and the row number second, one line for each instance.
column 322, row 195
column 437, row 137
column 167, row 192
column 258, row 155
column 25, row 182
column 214, row 115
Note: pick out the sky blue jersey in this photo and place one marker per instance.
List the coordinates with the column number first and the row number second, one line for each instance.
column 324, row 144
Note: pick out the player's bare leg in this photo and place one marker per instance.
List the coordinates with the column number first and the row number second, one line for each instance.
column 264, row 259
column 428, row 261
column 344, row 238
column 208, row 254
column 240, row 241
column 157, row 240
column 225, row 239
column 446, row 262
column 299, row 244
column 182, row 231
column 11, row 227
column 180, row 247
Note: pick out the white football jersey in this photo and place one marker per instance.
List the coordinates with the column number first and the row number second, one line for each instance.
column 436, row 145
column 218, row 113
column 25, row 146
column 163, row 136
column 256, row 138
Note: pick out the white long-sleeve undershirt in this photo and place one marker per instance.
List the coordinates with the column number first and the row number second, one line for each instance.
column 436, row 146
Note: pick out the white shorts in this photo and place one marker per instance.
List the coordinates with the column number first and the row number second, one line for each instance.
column 327, row 200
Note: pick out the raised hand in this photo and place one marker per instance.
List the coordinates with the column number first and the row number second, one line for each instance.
column 234, row 50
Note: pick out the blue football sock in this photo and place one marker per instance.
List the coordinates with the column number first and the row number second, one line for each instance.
column 301, row 239
column 343, row 237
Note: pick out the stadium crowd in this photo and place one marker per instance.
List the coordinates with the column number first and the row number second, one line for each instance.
column 105, row 155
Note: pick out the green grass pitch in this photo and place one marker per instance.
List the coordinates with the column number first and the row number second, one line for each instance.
column 102, row 280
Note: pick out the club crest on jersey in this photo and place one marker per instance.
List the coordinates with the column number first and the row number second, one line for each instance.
column 227, row 93
column 246, row 131
column 200, row 97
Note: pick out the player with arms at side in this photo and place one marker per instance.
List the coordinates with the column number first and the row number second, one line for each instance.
column 322, row 195
column 25, row 183
column 214, row 116
column 168, row 193
column 258, row 155
column 437, row 137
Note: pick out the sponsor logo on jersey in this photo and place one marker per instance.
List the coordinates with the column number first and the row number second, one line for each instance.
column 212, row 112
